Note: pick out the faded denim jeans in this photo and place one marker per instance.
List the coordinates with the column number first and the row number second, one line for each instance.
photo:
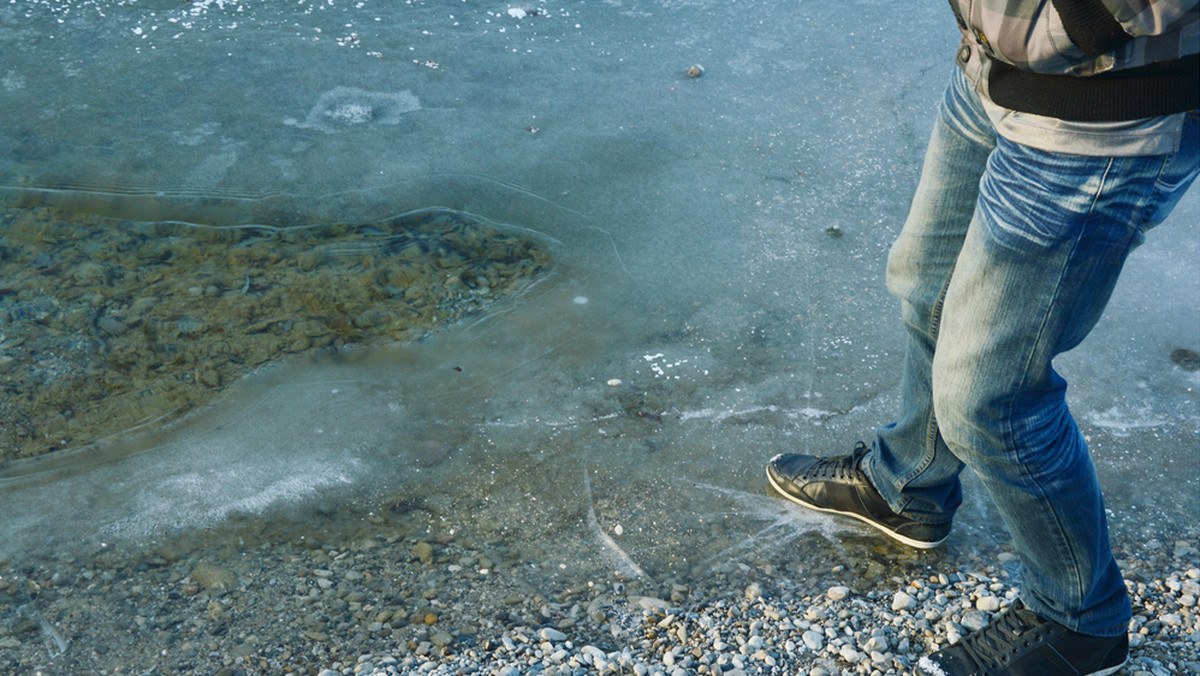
column 1008, row 257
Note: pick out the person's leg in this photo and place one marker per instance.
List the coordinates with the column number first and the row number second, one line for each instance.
column 1047, row 242
column 910, row 465
column 906, row 483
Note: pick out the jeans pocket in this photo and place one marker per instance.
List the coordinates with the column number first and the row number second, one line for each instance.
column 1178, row 172
column 1035, row 198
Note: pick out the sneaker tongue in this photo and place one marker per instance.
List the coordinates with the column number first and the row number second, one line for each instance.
column 1029, row 618
column 1026, row 615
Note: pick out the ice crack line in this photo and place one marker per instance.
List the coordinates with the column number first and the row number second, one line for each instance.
column 624, row 563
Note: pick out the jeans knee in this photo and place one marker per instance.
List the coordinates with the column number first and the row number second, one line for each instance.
column 906, row 282
column 965, row 413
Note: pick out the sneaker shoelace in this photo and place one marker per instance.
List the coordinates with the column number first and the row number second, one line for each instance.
column 994, row 646
column 845, row 467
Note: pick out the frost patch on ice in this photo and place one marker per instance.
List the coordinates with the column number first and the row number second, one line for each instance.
column 347, row 108
column 196, row 500
column 12, row 81
column 1119, row 423
column 194, row 137
column 660, row 366
column 213, row 169
column 201, row 6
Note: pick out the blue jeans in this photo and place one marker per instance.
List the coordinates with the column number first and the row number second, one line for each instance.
column 1008, row 257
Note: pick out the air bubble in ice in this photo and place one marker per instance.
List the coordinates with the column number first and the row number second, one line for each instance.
column 346, row 108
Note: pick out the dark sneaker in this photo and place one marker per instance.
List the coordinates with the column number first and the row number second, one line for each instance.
column 1019, row 643
column 839, row 486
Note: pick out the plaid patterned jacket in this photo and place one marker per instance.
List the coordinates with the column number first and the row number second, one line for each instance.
column 1100, row 50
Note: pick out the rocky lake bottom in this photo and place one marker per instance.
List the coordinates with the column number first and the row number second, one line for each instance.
column 107, row 326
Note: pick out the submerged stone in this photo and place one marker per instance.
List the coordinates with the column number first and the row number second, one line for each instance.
column 214, row 578
column 1186, row 359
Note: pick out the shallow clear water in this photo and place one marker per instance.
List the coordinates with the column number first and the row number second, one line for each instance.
column 718, row 292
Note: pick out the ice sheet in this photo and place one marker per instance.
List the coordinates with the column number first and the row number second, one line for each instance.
column 722, row 247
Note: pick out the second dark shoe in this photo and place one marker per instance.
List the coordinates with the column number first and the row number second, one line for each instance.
column 839, row 486
column 1019, row 643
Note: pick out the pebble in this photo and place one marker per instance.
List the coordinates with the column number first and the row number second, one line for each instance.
column 902, row 601
column 988, row 603
column 838, row 593
column 214, row 578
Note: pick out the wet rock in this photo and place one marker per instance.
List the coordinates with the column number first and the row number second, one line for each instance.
column 430, row 452
column 423, row 552
column 208, row 377
column 111, row 325
column 90, row 274
column 1186, row 359
column 214, row 578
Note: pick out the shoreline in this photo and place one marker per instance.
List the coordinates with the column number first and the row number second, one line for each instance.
column 399, row 595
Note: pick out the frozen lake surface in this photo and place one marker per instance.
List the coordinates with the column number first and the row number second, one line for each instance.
column 719, row 242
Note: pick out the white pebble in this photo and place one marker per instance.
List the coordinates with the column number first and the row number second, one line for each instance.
column 902, row 601
column 838, row 593
column 988, row 603
column 851, row 655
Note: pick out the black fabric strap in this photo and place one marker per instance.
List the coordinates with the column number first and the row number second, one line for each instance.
column 1091, row 26
column 1157, row 89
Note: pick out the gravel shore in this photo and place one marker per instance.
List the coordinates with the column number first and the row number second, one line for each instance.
column 399, row 592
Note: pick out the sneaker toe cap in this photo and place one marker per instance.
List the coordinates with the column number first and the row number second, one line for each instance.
column 789, row 466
